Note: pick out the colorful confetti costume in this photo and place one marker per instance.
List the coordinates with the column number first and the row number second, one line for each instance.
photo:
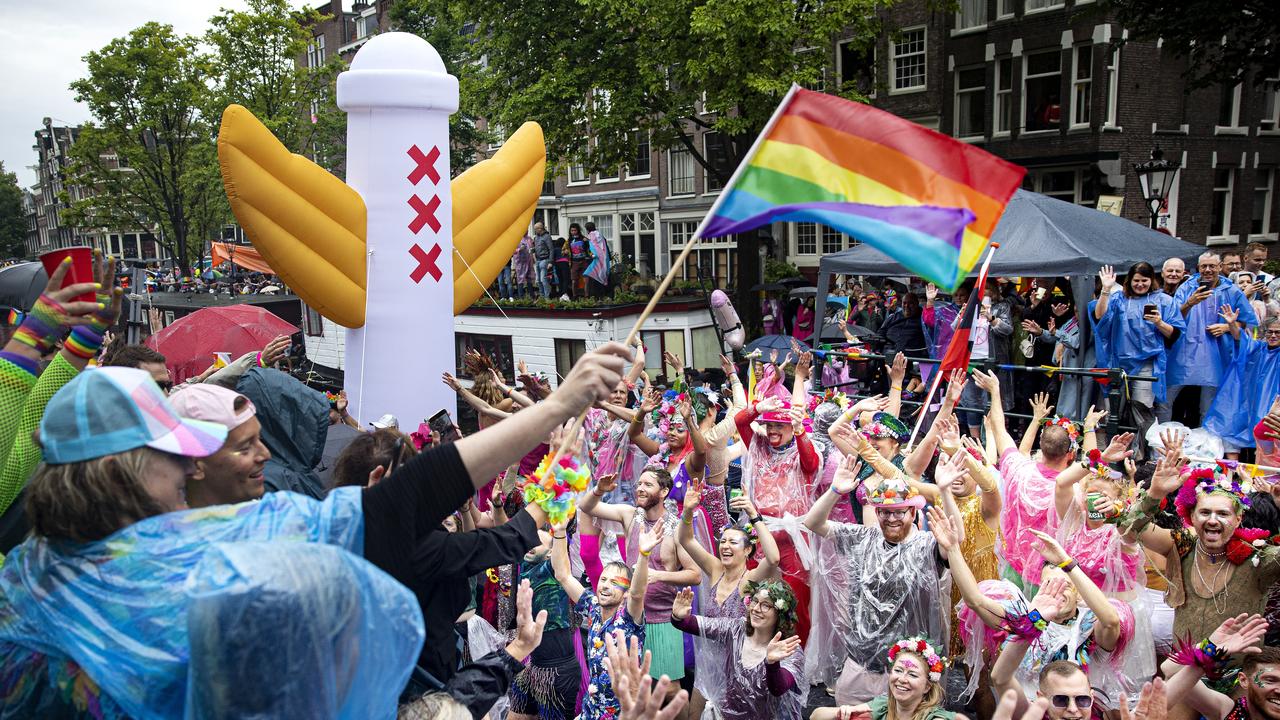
column 600, row 702
column 142, row 610
column 762, row 692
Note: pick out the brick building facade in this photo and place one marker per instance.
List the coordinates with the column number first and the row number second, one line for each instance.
column 1048, row 84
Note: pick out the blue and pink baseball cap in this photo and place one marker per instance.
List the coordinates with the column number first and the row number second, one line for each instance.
column 116, row 409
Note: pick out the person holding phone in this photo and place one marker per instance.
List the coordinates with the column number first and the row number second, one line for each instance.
column 1141, row 325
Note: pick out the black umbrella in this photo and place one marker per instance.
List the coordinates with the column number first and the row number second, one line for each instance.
column 21, row 285
column 767, row 287
column 795, row 282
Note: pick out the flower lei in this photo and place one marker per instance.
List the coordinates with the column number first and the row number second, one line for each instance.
column 1246, row 544
column 1073, row 430
column 921, row 647
column 556, row 492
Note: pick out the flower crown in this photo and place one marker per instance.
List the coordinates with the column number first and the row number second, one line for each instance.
column 1073, row 430
column 748, row 529
column 1200, row 481
column 782, row 597
column 921, row 647
column 835, row 396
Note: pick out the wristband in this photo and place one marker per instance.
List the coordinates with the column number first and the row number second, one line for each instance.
column 83, row 342
column 756, row 519
column 1027, row 627
column 559, row 537
column 597, row 493
column 895, row 387
column 1068, row 566
column 645, row 554
column 42, row 327
column 687, row 521
column 1205, row 655
column 257, row 358
column 837, row 492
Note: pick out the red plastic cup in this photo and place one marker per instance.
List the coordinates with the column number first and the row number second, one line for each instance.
column 81, row 270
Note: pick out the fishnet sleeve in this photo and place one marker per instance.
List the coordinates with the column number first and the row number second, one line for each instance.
column 16, row 383
column 24, row 454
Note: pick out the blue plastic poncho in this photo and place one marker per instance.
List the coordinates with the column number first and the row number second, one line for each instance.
column 1101, row 336
column 1132, row 341
column 120, row 609
column 1198, row 358
column 1249, row 385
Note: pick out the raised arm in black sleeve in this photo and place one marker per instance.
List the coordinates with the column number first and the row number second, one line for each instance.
column 479, row 684
column 415, row 497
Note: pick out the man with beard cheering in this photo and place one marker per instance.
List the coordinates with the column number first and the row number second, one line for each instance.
column 670, row 567
column 891, row 575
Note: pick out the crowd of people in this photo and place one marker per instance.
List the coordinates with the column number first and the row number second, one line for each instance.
column 547, row 267
column 750, row 536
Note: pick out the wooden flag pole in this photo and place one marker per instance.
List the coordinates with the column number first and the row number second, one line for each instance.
column 684, row 254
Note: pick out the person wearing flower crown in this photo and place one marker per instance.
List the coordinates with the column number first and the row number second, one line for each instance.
column 887, row 586
column 1214, row 568
column 779, row 472
column 914, row 688
column 725, row 575
column 764, row 665
column 680, row 447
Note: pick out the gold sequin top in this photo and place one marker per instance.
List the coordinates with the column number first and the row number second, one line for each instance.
column 979, row 549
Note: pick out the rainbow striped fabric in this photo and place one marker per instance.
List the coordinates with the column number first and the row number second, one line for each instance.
column 927, row 200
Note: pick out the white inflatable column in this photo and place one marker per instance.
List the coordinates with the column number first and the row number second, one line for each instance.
column 398, row 98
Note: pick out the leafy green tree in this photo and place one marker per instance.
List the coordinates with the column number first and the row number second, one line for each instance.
column 1221, row 42
column 443, row 23
column 595, row 72
column 254, row 63
column 13, row 222
column 145, row 158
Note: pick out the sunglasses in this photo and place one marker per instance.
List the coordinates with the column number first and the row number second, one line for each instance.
column 1083, row 702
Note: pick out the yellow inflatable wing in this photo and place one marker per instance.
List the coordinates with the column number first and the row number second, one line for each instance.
column 493, row 202
column 310, row 226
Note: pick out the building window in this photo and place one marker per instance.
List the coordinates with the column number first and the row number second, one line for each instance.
column 567, row 354
column 832, row 240
column 577, row 174
column 1067, row 184
column 1038, row 5
column 1041, row 90
column 1004, row 96
column 637, row 238
column 679, row 172
column 907, row 60
column 639, row 166
column 803, row 58
column 972, row 14
column 971, row 102
column 1081, row 85
column 496, row 347
column 367, row 22
column 1224, row 180
column 1262, row 191
column 1229, row 107
column 1005, row 9
column 1113, row 87
column 315, row 52
column 716, row 152
column 806, row 238
column 856, row 68
column 706, row 348
column 1270, row 105
column 312, row 322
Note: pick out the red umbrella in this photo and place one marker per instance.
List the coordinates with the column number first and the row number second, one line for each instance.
column 189, row 344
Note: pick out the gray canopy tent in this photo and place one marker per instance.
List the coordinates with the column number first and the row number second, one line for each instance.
column 1040, row 236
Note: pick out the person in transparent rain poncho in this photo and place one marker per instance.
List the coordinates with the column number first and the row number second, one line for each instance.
column 764, row 665
column 1069, row 618
column 724, row 576
column 886, row 584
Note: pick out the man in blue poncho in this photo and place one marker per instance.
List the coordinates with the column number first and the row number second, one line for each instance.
column 1201, row 355
column 1250, row 384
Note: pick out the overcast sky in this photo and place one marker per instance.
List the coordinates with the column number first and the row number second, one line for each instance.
column 42, row 44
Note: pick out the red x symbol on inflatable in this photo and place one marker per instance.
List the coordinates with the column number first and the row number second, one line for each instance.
column 426, row 165
column 426, row 213
column 426, row 263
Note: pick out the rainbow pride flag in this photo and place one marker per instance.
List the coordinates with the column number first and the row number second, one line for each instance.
column 927, row 200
